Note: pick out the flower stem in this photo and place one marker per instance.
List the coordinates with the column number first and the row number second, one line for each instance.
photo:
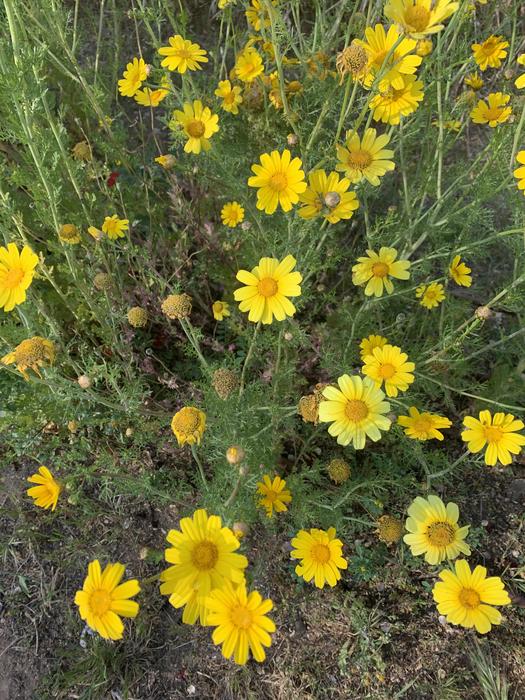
column 199, row 464
column 248, row 358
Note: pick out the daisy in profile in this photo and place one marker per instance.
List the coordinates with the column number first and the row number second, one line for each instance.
column 321, row 556
column 188, row 425
column 166, row 161
column 47, row 490
column 389, row 365
column 199, row 125
column 498, row 433
column 17, row 269
column 115, row 227
column 31, row 353
column 466, row 597
column 279, row 181
column 69, row 233
column 369, row 344
column 152, row 98
column 103, row 600
column 423, row 426
column 474, row 81
column 434, row 531
column 231, row 96
column 365, row 157
column 182, row 55
column 493, row 112
column 402, row 62
column 241, row 622
column 390, row 104
column 376, row 269
column 268, row 288
column 220, row 310
column 460, row 272
column 275, row 495
column 232, row 214
column 327, row 196
column 430, row 295
column 420, row 17
column 257, row 14
column 490, row 53
column 356, row 410
column 135, row 74
column 249, row 65
column 519, row 173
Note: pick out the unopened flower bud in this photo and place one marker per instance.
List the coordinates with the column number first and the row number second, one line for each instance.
column 84, row 381
column 235, row 454
column 240, row 530
column 292, row 139
column 332, row 199
column 483, row 313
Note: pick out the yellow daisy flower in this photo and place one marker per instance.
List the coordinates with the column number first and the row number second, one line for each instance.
column 102, row 601
column 520, row 80
column 151, row 98
column 203, row 557
column 420, row 17
column 115, row 227
column 393, row 103
column 321, row 556
column 231, row 96
column 433, row 530
column 267, row 289
column 17, row 270
column 474, row 81
column 69, row 233
column 519, row 173
column 490, row 53
column 424, row 47
column 220, row 310
column 248, row 65
column 31, row 353
column 274, row 494
column 356, row 411
column 199, row 125
column 134, row 75
column 327, row 195
column 498, row 433
column 466, row 597
column 182, row 55
column 365, row 158
column 279, row 180
column 96, row 233
column 430, row 295
column 376, row 269
column 423, row 426
column 47, row 491
column 257, row 14
column 495, row 112
column 188, row 425
column 401, row 63
column 241, row 622
column 368, row 345
column 460, row 272
column 389, row 365
column 232, row 214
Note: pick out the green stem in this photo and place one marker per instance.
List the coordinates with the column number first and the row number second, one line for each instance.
column 199, row 464
column 248, row 358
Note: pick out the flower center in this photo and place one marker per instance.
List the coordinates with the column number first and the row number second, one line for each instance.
column 267, row 287
column 489, row 47
column 100, row 602
column 187, row 420
column 204, row 555
column 356, row 410
column 493, row 434
column 422, row 425
column 320, row 553
column 494, row 113
column 360, row 160
column 30, row 351
column 195, row 128
column 229, row 99
column 278, row 182
column 183, row 53
column 13, row 278
column 440, row 534
column 430, row 294
column 380, row 269
column 417, row 17
column 387, row 370
column 271, row 496
column 241, row 617
column 469, row 598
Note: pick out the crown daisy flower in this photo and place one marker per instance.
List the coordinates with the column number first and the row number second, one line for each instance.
column 267, row 289
column 274, row 494
column 231, row 96
column 137, row 317
column 466, row 597
column 390, row 104
column 327, row 195
column 257, row 14
column 356, row 411
column 430, row 295
column 433, row 530
column 474, row 81
column 389, row 365
column 520, row 80
column 69, row 233
column 32, row 354
column 376, row 269
column 423, row 426
column 248, row 65
column 203, row 557
column 352, row 60
column 339, row 471
column 102, row 601
column 389, row 529
column 493, row 112
column 177, row 307
column 420, row 17
column 401, row 63
column 182, row 55
column 232, row 214
column 365, row 158
column 17, row 270
column 199, row 125
column 220, row 310
column 133, row 77
column 241, row 622
column 519, row 173
column 279, row 180
column 498, row 433
column 152, row 98
column 115, row 227
column 369, row 344
column 490, row 53
column 45, row 494
column 460, row 272
column 188, row 425
column 321, row 556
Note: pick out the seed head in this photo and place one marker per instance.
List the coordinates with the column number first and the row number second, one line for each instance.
column 389, row 529
column 137, row 317
column 177, row 306
column 225, row 382
column 339, row 471
column 102, row 281
column 353, row 60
